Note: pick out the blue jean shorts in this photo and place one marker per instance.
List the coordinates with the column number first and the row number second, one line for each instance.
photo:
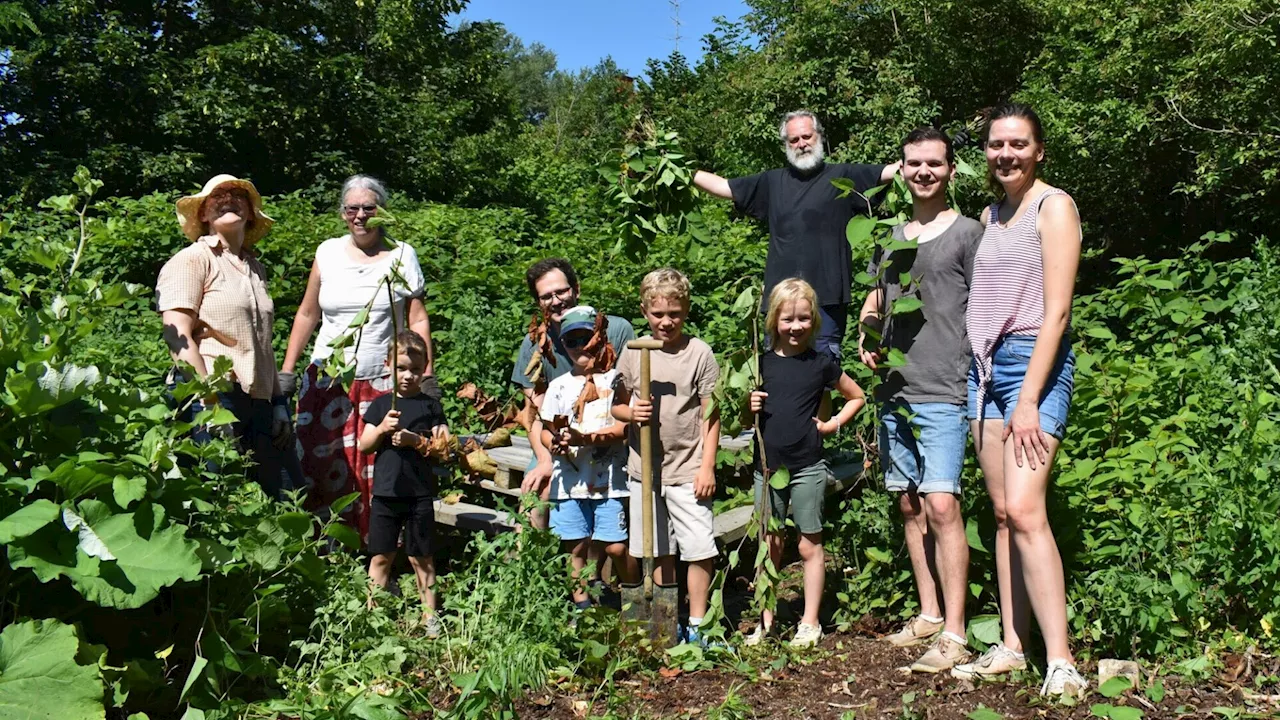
column 604, row 520
column 930, row 463
column 1008, row 368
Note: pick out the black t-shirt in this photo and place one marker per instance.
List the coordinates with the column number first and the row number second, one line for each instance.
column 807, row 221
column 795, row 386
column 402, row 472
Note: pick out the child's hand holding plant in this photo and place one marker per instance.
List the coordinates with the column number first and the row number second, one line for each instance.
column 390, row 423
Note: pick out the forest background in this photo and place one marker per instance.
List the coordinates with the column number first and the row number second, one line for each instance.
column 146, row 586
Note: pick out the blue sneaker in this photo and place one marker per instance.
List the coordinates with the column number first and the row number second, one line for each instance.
column 690, row 634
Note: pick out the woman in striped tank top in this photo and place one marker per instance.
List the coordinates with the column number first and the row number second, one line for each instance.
column 1020, row 388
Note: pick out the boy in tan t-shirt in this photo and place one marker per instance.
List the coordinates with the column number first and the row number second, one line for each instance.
column 683, row 376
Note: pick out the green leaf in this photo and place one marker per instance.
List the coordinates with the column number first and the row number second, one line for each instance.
column 1115, row 712
column 342, row 503
column 881, row 556
column 1115, row 687
column 985, row 629
column 780, row 479
column 905, row 305
column 984, row 713
column 1099, row 332
column 197, row 669
column 746, row 301
column 41, row 387
column 27, row 520
column 1155, row 693
column 360, row 319
column 971, row 534
column 858, row 231
column 39, row 677
column 128, row 490
column 115, row 560
column 896, row 358
column 343, row 534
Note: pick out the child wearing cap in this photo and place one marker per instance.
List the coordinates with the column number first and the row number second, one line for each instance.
column 682, row 377
column 588, row 484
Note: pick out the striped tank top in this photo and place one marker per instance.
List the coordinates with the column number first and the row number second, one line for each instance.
column 1007, row 293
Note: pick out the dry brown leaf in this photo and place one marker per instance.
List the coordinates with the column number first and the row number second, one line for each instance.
column 670, row 672
column 438, row 449
column 480, row 463
column 498, row 438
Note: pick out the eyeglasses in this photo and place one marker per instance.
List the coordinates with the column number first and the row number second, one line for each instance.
column 577, row 341
column 353, row 210
column 562, row 293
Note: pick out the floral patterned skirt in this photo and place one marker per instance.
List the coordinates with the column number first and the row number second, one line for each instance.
column 330, row 420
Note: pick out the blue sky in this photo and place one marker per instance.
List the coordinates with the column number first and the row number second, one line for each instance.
column 582, row 32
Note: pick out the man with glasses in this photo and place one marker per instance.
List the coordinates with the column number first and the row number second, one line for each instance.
column 554, row 285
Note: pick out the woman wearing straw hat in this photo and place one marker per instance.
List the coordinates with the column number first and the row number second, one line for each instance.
column 348, row 271
column 212, row 296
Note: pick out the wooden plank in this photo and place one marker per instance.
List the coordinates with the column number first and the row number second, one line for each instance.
column 465, row 516
column 494, row 487
column 731, row 525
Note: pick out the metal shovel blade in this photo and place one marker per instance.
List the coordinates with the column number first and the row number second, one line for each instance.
column 656, row 608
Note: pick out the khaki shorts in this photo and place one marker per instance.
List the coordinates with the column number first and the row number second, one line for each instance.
column 680, row 520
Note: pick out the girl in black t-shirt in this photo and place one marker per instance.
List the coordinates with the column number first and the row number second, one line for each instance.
column 794, row 378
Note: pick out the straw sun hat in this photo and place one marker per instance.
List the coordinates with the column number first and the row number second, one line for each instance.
column 189, row 210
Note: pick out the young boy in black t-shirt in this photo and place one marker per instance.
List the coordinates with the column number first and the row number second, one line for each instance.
column 403, row 482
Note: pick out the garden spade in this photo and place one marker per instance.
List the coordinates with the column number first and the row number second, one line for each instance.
column 648, row 602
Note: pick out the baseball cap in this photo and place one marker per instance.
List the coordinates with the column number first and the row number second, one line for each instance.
column 581, row 317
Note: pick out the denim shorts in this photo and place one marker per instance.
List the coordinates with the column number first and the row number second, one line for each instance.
column 604, row 519
column 1008, row 368
column 930, row 463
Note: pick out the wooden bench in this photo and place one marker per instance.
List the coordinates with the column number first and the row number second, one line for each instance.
column 465, row 516
column 512, row 460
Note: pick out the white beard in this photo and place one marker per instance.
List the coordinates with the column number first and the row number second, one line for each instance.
column 807, row 161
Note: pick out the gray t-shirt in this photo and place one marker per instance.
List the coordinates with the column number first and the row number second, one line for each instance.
column 933, row 338
column 619, row 331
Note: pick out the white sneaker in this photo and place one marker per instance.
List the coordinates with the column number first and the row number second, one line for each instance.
column 758, row 635
column 1061, row 678
column 806, row 636
column 997, row 660
column 433, row 627
column 917, row 631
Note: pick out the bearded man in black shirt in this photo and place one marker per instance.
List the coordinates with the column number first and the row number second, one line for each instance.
column 806, row 218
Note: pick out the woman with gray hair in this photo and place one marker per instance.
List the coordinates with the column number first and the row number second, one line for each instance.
column 348, row 271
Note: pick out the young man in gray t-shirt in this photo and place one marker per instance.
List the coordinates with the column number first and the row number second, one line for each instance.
column 928, row 393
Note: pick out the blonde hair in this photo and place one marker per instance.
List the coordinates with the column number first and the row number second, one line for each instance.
column 667, row 283
column 790, row 290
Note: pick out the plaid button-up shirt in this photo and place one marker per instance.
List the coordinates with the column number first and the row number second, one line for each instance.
column 230, row 295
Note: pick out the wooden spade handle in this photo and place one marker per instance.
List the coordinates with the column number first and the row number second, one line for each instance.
column 645, row 346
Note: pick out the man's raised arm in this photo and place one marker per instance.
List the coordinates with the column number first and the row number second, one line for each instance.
column 713, row 184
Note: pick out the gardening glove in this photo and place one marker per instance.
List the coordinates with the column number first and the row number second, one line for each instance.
column 281, row 427
column 288, row 384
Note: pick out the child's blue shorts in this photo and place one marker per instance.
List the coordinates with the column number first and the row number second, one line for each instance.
column 604, row 520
